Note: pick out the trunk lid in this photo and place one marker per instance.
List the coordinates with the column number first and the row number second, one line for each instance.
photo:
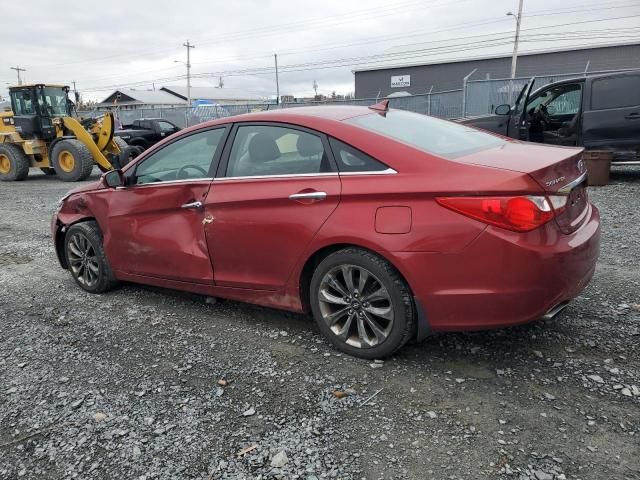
column 558, row 171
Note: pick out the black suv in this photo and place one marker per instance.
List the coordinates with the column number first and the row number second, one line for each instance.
column 599, row 112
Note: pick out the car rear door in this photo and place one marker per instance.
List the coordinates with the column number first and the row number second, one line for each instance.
column 612, row 118
column 277, row 186
column 154, row 225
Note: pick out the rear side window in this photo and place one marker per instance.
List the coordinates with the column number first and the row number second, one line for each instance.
column 265, row 150
column 429, row 134
column 351, row 160
column 615, row 92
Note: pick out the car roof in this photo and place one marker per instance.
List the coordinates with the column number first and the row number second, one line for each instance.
column 312, row 115
column 327, row 112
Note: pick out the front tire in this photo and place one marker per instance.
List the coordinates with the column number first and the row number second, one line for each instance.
column 362, row 304
column 86, row 258
column 14, row 163
column 71, row 160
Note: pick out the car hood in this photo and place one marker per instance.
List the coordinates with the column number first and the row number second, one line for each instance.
column 97, row 185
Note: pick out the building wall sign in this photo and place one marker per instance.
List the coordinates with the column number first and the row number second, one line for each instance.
column 398, row 81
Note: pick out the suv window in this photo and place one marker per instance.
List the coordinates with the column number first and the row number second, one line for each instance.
column 563, row 100
column 351, row 160
column 615, row 92
column 260, row 150
column 187, row 158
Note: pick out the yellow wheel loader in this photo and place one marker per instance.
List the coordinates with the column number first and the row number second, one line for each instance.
column 40, row 132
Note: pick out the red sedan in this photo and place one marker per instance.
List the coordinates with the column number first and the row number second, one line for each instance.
column 385, row 224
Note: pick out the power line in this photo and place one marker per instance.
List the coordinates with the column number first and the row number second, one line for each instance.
column 347, row 62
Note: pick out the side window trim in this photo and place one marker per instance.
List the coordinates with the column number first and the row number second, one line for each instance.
column 223, row 164
column 130, row 173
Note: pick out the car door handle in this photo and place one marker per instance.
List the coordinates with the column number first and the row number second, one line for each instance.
column 192, row 205
column 308, row 196
column 633, row 116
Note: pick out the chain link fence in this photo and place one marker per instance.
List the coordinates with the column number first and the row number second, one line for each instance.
column 478, row 97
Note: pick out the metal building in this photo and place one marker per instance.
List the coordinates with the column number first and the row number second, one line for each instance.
column 420, row 78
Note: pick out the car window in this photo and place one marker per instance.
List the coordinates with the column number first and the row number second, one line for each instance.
column 352, row 160
column 166, row 127
column 187, row 158
column 615, row 92
column 260, row 150
column 429, row 134
column 566, row 102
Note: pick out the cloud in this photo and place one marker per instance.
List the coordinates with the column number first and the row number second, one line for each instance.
column 125, row 42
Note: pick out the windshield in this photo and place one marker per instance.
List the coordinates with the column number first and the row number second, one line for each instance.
column 55, row 101
column 429, row 134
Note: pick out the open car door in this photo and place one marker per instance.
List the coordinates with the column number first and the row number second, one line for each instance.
column 518, row 127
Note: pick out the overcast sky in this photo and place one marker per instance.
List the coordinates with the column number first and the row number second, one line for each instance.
column 121, row 43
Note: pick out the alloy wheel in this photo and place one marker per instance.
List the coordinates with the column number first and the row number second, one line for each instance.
column 83, row 260
column 356, row 306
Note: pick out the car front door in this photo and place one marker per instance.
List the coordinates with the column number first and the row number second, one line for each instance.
column 518, row 126
column 278, row 186
column 155, row 223
column 612, row 119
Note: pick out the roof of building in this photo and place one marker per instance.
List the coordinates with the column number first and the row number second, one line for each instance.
column 391, row 64
column 212, row 93
column 142, row 97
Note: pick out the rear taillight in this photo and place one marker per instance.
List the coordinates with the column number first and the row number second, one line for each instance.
column 519, row 213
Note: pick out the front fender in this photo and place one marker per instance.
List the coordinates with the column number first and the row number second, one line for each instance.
column 74, row 210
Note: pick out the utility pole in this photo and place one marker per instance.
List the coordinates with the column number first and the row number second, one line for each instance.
column 315, row 88
column 76, row 95
column 189, row 47
column 18, row 69
column 514, row 58
column 275, row 56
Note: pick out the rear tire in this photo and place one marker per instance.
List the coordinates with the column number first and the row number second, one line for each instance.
column 122, row 144
column 362, row 304
column 71, row 160
column 86, row 259
column 14, row 163
column 128, row 154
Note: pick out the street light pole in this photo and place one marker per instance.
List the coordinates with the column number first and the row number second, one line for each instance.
column 275, row 56
column 189, row 47
column 514, row 58
column 18, row 69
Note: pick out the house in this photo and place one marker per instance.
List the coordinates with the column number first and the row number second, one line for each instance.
column 132, row 99
column 214, row 95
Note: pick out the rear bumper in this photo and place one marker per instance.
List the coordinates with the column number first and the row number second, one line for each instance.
column 503, row 278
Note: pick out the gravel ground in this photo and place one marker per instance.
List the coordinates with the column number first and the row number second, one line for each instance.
column 143, row 383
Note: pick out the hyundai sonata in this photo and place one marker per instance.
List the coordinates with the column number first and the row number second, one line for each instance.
column 386, row 225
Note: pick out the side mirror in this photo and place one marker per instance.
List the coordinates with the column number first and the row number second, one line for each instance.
column 113, row 178
column 503, row 109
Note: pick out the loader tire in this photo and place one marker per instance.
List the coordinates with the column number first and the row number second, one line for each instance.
column 14, row 163
column 72, row 160
column 121, row 143
column 128, row 154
